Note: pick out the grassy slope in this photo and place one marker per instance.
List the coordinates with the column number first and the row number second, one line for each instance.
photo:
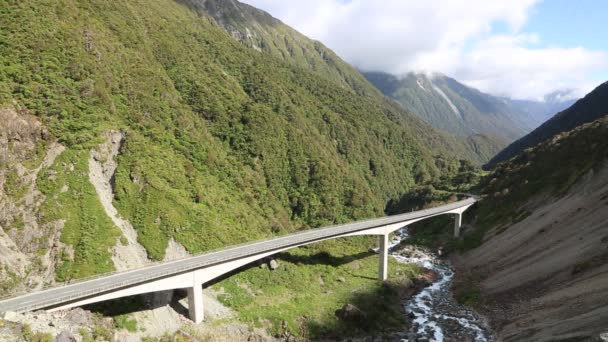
column 225, row 144
column 214, row 130
column 312, row 283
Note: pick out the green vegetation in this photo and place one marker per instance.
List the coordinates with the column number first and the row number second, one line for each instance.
column 483, row 147
column 13, row 185
column 86, row 335
column 458, row 177
column 467, row 291
column 120, row 310
column 258, row 30
column 223, row 144
column 9, row 281
column 29, row 336
column 98, row 333
column 101, row 333
column 125, row 322
column 311, row 283
column 548, row 169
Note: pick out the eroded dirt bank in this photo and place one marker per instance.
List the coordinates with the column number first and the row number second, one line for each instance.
column 546, row 277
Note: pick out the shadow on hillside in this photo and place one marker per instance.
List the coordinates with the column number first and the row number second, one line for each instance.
column 379, row 310
column 321, row 258
column 148, row 301
column 324, row 258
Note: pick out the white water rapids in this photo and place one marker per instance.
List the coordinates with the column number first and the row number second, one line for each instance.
column 436, row 316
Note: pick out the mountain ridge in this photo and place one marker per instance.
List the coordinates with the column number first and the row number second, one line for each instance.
column 587, row 109
column 259, row 30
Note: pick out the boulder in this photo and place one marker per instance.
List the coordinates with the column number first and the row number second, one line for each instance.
column 65, row 336
column 351, row 313
column 255, row 338
column 10, row 316
column 273, row 264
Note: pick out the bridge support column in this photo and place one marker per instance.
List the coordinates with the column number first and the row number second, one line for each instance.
column 457, row 224
column 195, row 303
column 383, row 254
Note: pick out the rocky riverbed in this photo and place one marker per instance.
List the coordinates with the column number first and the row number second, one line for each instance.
column 434, row 313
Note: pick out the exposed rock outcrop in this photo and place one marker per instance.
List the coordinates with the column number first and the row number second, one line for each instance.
column 102, row 166
column 27, row 248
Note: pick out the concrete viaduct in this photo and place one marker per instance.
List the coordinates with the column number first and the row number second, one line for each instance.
column 191, row 273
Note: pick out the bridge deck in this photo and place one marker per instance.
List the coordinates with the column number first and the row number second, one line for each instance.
column 106, row 283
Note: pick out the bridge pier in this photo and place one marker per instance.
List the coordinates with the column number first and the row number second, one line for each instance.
column 457, row 224
column 195, row 303
column 383, row 254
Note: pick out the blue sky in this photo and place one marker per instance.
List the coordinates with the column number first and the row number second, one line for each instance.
column 516, row 48
column 570, row 23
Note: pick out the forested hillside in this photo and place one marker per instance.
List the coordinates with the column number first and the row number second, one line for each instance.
column 260, row 31
column 452, row 106
column 215, row 135
column 263, row 33
column 142, row 125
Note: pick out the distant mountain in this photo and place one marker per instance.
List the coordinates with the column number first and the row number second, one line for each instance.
column 589, row 108
column 540, row 111
column 461, row 110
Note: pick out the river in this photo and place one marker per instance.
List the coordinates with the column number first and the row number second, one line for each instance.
column 434, row 313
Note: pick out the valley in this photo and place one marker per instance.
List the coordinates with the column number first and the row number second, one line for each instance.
column 199, row 170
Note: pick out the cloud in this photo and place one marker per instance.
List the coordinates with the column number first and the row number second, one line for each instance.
column 504, row 65
column 457, row 38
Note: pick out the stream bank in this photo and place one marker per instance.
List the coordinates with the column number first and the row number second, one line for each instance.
column 434, row 313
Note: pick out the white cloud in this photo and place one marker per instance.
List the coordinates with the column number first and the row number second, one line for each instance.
column 451, row 37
